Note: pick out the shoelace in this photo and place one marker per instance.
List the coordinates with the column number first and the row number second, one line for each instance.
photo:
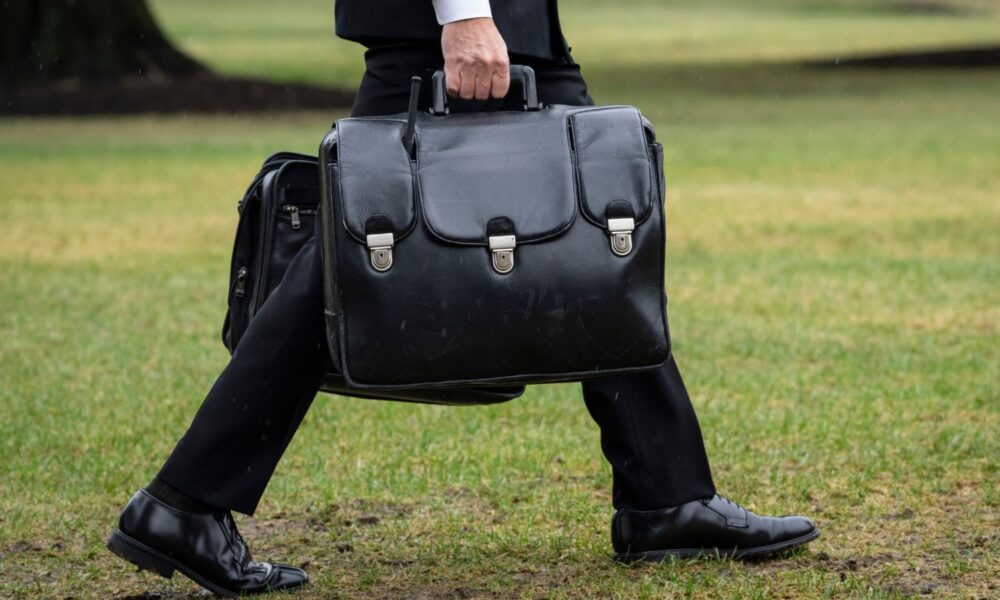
column 237, row 544
column 248, row 562
column 736, row 504
column 705, row 501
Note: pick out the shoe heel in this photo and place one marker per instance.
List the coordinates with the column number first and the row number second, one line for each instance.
column 138, row 554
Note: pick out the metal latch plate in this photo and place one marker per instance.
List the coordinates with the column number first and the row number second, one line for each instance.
column 620, row 231
column 502, row 249
column 380, row 249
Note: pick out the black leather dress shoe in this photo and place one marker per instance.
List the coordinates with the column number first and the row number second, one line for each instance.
column 710, row 527
column 206, row 547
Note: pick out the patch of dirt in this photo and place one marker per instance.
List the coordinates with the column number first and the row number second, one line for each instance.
column 954, row 58
column 430, row 593
column 318, row 535
column 539, row 582
column 910, row 571
column 978, row 543
column 197, row 94
column 358, row 513
column 903, row 515
column 166, row 595
column 332, row 517
column 20, row 547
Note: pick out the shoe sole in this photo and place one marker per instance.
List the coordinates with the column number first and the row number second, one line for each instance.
column 656, row 556
column 148, row 559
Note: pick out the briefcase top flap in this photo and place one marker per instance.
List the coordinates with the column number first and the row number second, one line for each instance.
column 476, row 167
column 375, row 181
column 529, row 169
column 613, row 163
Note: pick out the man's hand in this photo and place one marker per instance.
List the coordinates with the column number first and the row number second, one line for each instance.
column 476, row 64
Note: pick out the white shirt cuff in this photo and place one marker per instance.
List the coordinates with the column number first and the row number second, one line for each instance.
column 449, row 11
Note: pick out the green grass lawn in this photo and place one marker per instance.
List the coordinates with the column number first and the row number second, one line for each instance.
column 833, row 260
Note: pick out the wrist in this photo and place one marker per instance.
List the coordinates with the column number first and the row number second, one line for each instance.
column 473, row 23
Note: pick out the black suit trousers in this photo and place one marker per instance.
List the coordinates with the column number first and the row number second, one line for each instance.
column 649, row 432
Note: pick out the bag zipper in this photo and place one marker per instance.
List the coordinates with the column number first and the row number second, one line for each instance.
column 241, row 283
column 295, row 212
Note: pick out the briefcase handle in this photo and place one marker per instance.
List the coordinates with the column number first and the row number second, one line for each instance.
column 522, row 73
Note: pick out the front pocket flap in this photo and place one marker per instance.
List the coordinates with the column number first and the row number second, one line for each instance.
column 375, row 177
column 612, row 161
column 477, row 167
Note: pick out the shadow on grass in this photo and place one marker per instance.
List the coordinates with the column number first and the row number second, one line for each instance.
column 207, row 93
column 954, row 58
column 726, row 82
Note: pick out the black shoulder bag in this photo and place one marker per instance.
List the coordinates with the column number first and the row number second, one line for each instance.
column 277, row 216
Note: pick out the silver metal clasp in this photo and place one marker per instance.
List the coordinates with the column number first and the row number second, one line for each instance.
column 502, row 248
column 620, row 231
column 380, row 249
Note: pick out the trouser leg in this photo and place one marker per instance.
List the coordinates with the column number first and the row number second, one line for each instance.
column 651, row 437
column 233, row 445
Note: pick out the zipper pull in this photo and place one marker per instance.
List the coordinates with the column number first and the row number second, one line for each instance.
column 294, row 212
column 241, row 282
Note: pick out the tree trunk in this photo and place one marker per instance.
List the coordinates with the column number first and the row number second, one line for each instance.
column 89, row 40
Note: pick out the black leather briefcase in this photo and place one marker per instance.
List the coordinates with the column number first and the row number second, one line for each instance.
column 512, row 246
column 277, row 217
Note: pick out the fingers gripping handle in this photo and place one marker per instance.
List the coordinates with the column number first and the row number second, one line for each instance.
column 522, row 73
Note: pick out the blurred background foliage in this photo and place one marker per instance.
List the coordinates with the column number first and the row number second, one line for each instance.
column 272, row 41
